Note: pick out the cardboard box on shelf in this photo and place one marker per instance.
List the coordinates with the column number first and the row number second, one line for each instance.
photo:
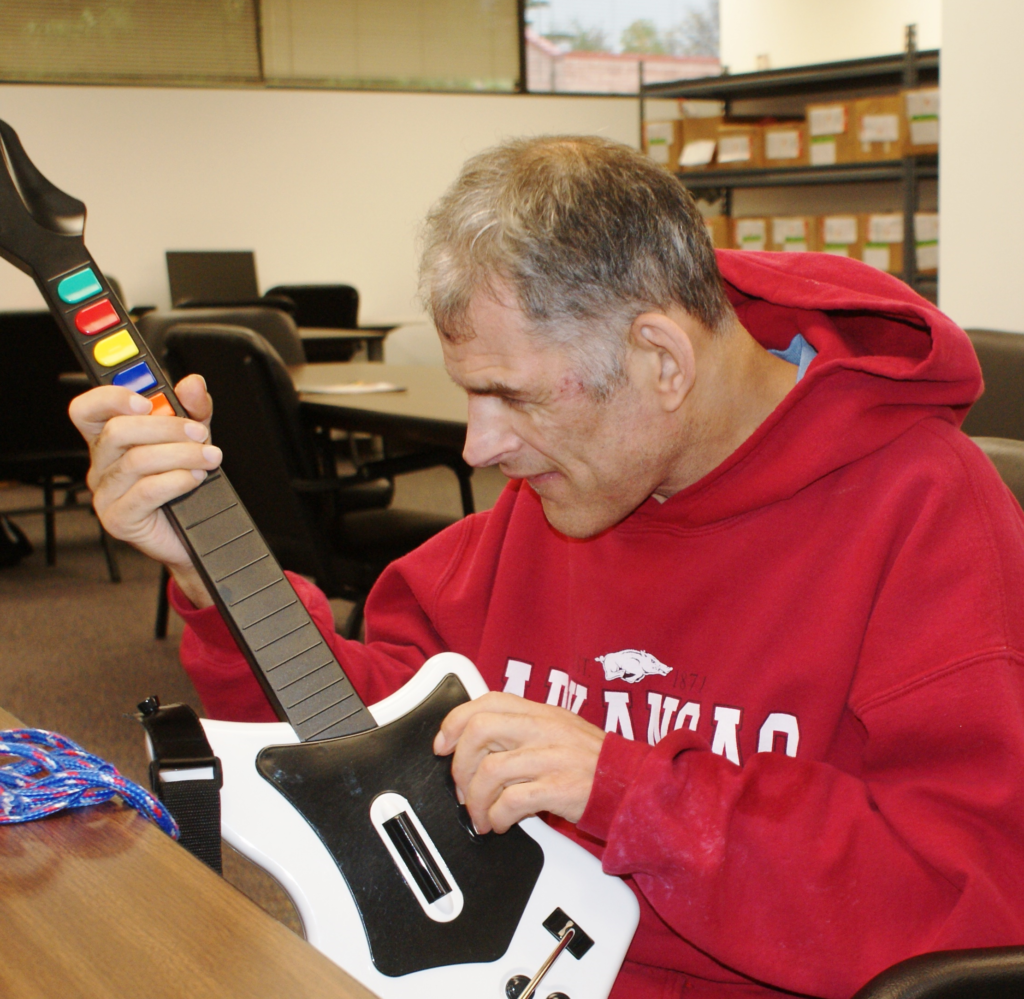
column 750, row 234
column 926, row 241
column 879, row 128
column 785, row 144
column 718, row 230
column 883, row 241
column 740, row 146
column 793, row 233
column 699, row 142
column 922, row 111
column 830, row 138
column 661, row 142
column 841, row 235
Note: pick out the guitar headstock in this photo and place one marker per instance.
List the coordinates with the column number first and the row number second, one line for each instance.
column 41, row 227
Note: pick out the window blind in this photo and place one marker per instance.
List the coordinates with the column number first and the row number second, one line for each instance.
column 129, row 41
column 430, row 44
column 418, row 44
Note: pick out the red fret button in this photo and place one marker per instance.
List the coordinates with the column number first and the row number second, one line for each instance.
column 96, row 318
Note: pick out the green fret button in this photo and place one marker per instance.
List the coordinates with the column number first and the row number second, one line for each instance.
column 78, row 287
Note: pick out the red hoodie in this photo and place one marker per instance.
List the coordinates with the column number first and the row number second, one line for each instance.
column 810, row 660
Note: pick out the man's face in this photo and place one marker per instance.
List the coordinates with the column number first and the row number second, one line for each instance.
column 591, row 462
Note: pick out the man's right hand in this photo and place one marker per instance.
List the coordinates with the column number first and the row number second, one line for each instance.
column 140, row 462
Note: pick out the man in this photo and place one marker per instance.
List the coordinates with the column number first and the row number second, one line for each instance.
column 752, row 601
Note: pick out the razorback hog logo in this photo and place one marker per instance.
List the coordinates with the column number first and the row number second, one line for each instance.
column 631, row 665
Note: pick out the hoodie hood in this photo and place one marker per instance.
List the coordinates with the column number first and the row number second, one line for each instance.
column 887, row 359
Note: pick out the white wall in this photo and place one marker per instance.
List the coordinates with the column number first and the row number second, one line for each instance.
column 799, row 32
column 981, row 181
column 323, row 185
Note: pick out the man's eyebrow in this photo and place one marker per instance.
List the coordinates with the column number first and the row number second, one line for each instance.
column 501, row 389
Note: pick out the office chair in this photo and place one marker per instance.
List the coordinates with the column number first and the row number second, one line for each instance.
column 325, row 306
column 276, row 327
column 39, row 445
column 984, row 973
column 1000, row 411
column 1008, row 457
column 314, row 521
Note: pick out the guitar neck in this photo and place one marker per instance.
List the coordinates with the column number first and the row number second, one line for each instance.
column 294, row 665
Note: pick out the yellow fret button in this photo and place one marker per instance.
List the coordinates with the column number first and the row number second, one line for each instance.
column 115, row 349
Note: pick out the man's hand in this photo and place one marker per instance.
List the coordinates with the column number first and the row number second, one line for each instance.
column 514, row 758
column 140, row 462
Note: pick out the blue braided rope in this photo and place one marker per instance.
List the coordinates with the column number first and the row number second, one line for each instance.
column 52, row 773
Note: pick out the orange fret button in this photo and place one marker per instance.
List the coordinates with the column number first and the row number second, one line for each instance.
column 161, row 407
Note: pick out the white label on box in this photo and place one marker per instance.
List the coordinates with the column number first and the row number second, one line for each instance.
column 885, row 228
column 795, row 246
column 926, row 227
column 660, row 131
column 829, row 120
column 840, row 229
column 789, row 230
column 924, row 131
column 837, row 249
column 923, row 103
column 823, row 153
column 880, row 128
column 877, row 256
column 700, row 152
column 734, row 149
column 782, row 145
column 659, row 138
column 751, row 234
column 927, row 256
column 658, row 152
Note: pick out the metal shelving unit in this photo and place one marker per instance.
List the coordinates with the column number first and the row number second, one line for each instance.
column 909, row 69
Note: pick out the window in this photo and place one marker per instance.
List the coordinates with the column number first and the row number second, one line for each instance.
column 128, row 41
column 603, row 46
column 409, row 44
column 433, row 44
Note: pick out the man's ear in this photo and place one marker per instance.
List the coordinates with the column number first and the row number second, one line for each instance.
column 667, row 353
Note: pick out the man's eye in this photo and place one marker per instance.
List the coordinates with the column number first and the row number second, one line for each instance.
column 513, row 402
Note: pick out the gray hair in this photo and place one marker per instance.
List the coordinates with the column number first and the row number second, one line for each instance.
column 588, row 234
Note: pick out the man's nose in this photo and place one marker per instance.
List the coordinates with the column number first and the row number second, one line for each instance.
column 490, row 438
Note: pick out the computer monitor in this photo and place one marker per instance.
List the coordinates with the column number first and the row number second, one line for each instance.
column 211, row 276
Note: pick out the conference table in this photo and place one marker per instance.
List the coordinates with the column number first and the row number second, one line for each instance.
column 97, row 902
column 430, row 410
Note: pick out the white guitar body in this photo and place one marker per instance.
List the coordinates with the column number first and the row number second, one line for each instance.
column 261, row 823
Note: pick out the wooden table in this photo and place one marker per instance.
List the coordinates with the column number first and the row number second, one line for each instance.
column 432, row 410
column 97, row 903
column 323, row 344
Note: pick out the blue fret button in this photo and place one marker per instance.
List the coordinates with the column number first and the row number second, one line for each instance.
column 138, row 378
column 78, row 287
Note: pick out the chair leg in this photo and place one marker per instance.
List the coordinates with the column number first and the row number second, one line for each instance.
column 354, row 621
column 50, row 521
column 162, row 608
column 113, row 569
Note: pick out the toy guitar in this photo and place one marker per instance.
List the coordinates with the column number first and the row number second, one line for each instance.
column 346, row 805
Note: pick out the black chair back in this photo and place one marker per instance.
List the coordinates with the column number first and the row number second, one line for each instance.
column 275, row 326
column 39, row 439
column 1000, row 411
column 257, row 425
column 325, row 306
column 1008, row 457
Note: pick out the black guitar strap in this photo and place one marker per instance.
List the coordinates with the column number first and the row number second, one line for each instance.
column 185, row 776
